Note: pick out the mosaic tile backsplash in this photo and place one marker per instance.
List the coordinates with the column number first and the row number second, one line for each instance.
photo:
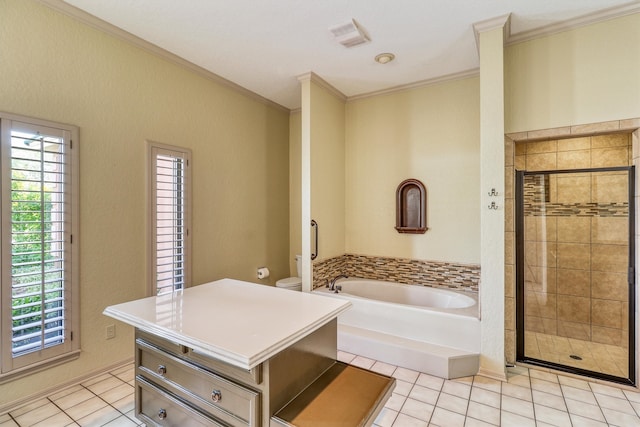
column 401, row 270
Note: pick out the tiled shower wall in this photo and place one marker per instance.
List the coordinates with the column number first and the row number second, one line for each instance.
column 574, row 147
column 400, row 270
column 576, row 256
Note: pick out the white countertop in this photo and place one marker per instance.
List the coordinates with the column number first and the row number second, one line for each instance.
column 240, row 323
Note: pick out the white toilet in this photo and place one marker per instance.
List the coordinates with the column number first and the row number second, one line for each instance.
column 293, row 283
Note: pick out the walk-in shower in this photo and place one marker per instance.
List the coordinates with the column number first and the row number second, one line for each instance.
column 574, row 271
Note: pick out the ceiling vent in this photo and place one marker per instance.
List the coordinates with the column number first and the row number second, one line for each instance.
column 349, row 34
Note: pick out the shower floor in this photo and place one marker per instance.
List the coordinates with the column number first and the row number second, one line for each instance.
column 596, row 357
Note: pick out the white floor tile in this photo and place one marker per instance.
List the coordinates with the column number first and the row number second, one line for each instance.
column 424, row 394
column 619, row 405
column 546, row 386
column 105, row 385
column 36, row 415
column 121, row 421
column 585, row 410
column 403, row 388
column 517, row 391
column 472, row 422
column 59, row 419
column 517, row 406
column 383, row 368
column 430, row 381
column 484, row 413
column 404, row 420
column 541, row 375
column 578, row 394
column 549, row 400
column 73, row 399
column 607, row 390
column 552, row 416
column 386, row 417
column 487, row 384
column 485, row 397
column 395, row 402
column 345, row 357
column 453, row 403
column 620, row 419
column 456, row 389
column 633, row 396
column 99, row 417
column 117, row 393
column 85, row 408
column 578, row 421
column 509, row 419
column 406, row 375
column 444, row 418
column 362, row 362
column 574, row 382
column 8, row 423
column 417, row 409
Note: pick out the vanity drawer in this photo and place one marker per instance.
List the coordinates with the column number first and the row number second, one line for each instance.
column 157, row 408
column 223, row 399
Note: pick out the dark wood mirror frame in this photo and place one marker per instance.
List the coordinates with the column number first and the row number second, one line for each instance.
column 411, row 207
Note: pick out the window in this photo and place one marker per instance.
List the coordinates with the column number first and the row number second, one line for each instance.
column 38, row 244
column 170, row 184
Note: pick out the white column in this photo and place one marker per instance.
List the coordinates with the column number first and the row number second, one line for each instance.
column 492, row 236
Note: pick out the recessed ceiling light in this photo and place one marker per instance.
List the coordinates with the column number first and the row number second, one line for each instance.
column 385, row 58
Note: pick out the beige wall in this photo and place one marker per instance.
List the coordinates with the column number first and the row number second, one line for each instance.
column 586, row 75
column 55, row 68
column 432, row 134
column 327, row 171
column 295, row 190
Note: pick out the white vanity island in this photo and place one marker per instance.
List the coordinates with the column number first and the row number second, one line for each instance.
column 241, row 354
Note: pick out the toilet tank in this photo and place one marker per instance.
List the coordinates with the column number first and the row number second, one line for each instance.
column 299, row 265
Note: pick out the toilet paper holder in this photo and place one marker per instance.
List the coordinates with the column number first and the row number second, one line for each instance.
column 263, row 272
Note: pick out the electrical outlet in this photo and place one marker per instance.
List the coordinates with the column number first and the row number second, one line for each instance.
column 111, row 331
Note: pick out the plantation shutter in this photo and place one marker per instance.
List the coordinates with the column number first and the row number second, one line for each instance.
column 170, row 258
column 36, row 244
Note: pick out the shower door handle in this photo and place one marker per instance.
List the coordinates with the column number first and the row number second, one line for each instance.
column 314, row 225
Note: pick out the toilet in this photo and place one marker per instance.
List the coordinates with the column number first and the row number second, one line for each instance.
column 293, row 283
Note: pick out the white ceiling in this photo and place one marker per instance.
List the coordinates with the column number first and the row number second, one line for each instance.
column 264, row 45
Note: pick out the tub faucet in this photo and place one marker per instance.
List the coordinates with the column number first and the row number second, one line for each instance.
column 332, row 284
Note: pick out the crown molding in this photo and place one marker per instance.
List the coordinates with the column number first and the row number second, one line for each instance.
column 428, row 82
column 502, row 21
column 580, row 21
column 119, row 33
column 311, row 76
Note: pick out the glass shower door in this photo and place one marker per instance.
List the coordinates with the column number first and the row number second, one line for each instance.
column 575, row 271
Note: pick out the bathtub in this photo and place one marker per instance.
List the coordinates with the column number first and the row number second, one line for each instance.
column 430, row 330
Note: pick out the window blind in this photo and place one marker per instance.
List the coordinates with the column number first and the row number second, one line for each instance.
column 37, row 241
column 170, row 208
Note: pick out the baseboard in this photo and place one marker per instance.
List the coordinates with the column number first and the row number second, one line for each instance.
column 496, row 375
column 10, row 406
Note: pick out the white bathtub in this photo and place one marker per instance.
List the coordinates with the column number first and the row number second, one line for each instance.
column 427, row 329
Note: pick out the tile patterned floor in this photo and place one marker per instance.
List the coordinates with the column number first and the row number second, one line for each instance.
column 105, row 400
column 529, row 398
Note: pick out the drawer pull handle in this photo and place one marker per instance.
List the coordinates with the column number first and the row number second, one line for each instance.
column 161, row 370
column 216, row 395
column 162, row 414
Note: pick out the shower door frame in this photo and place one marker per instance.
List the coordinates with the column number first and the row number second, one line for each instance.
column 520, row 301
